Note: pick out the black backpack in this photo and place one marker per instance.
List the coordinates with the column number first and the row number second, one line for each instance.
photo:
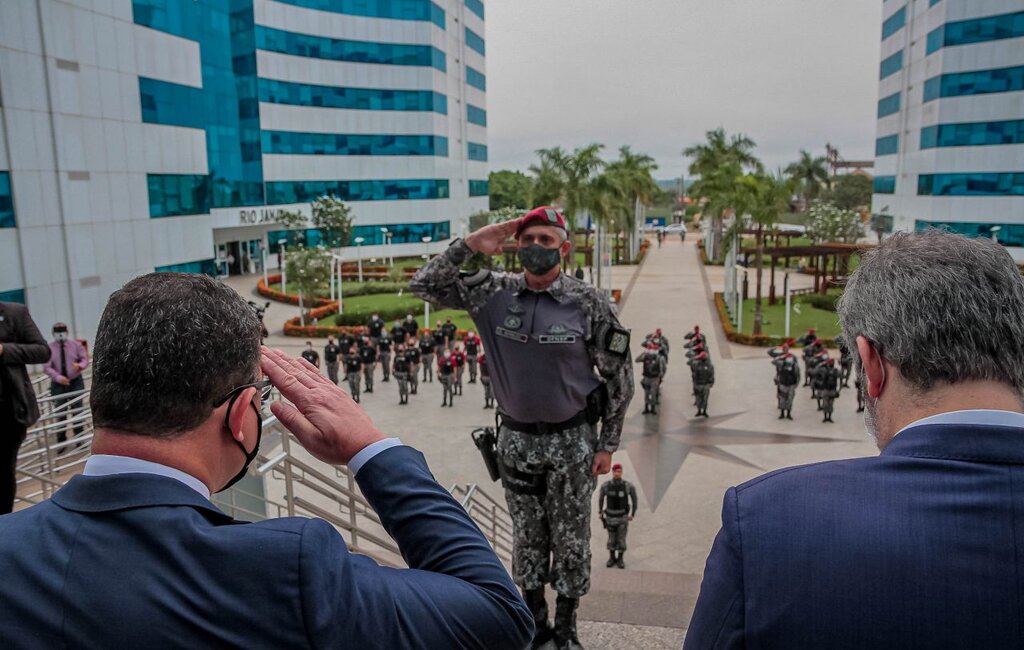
column 788, row 374
column 651, row 366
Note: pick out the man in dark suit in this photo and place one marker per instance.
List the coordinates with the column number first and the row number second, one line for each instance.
column 133, row 554
column 919, row 547
column 20, row 344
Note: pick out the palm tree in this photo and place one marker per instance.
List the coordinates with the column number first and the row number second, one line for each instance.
column 548, row 182
column 811, row 174
column 633, row 173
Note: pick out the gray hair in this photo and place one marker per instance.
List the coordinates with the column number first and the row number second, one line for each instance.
column 168, row 346
column 942, row 308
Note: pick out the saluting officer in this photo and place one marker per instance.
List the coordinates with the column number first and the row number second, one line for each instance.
column 703, row 379
column 828, row 377
column 617, row 507
column 545, row 333
column 653, row 371
column 787, row 376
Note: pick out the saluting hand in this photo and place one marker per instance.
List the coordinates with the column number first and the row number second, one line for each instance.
column 489, row 240
column 327, row 422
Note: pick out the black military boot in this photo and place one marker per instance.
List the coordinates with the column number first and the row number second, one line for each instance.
column 619, row 562
column 539, row 608
column 611, row 559
column 565, row 623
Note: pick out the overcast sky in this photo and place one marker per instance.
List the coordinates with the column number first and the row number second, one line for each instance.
column 657, row 74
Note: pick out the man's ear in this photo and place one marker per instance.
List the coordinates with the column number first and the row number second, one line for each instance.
column 874, row 368
column 565, row 247
column 239, row 409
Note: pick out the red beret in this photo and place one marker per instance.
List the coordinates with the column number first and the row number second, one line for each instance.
column 546, row 215
column 616, row 466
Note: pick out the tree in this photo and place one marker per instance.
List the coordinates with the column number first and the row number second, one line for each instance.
column 811, row 174
column 308, row 269
column 826, row 223
column 576, row 173
column 849, row 192
column 331, row 215
column 547, row 182
column 633, row 174
column 510, row 189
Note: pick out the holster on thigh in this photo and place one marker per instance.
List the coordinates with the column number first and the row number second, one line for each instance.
column 520, row 482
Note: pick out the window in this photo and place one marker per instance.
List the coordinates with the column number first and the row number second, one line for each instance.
column 282, row 192
column 333, row 49
column 932, row 3
column 14, row 295
column 401, row 233
column 206, row 267
column 973, row 134
column 172, row 195
column 7, row 219
column 370, row 99
column 884, row 185
column 889, row 105
column 977, row 184
column 977, row 30
column 888, row 145
column 891, row 65
column 164, row 102
column 475, row 78
column 1009, row 234
column 395, row 9
column 474, row 41
column 475, row 151
column 976, row 82
column 894, row 23
column 342, row 144
column 476, row 7
column 478, row 188
column 476, row 115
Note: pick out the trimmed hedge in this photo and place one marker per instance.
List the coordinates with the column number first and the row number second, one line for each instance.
column 760, row 340
column 369, row 288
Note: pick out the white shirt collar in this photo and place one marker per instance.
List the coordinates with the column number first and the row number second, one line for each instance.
column 991, row 417
column 107, row 465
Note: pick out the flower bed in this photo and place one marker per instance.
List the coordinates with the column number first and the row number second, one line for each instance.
column 280, row 296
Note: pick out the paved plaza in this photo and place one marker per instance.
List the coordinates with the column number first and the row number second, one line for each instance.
column 681, row 465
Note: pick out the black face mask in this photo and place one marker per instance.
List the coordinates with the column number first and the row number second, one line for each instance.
column 539, row 260
column 250, row 456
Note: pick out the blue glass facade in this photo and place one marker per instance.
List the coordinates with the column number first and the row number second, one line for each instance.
column 976, row 30
column 7, row 219
column 1009, row 234
column 175, row 195
column 206, row 267
column 976, row 184
column 475, row 42
column 478, row 188
column 423, row 10
column 973, row 134
column 476, row 7
column 359, row 144
column 368, row 99
column 279, row 192
column 894, row 23
column 14, row 295
column 476, row 78
column 227, row 106
column 476, row 151
column 401, row 233
column 889, row 105
column 976, row 82
column 476, row 115
column 336, row 49
column 888, row 145
column 884, row 185
column 891, row 65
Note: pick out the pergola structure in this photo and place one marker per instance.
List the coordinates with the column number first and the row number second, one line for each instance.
column 819, row 256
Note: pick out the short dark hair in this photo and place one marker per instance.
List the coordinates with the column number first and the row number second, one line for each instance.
column 168, row 346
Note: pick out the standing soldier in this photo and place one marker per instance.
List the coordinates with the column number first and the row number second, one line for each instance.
column 811, row 354
column 485, row 379
column 331, row 351
column 310, row 355
column 813, row 365
column 411, row 327
column 695, row 337
column 375, row 328
column 402, row 374
column 660, row 340
column 437, row 336
column 412, row 355
column 398, row 333
column 807, row 339
column 384, row 354
column 858, row 385
column 787, row 376
column 446, row 375
column 545, row 333
column 845, row 361
column 653, row 371
column 472, row 347
column 426, row 348
column 449, row 332
column 703, row 379
column 352, row 369
column 345, row 342
column 368, row 357
column 828, row 387
column 617, row 507
column 460, row 366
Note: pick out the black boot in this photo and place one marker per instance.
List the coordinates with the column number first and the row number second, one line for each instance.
column 619, row 562
column 789, row 415
column 611, row 560
column 539, row 608
column 565, row 622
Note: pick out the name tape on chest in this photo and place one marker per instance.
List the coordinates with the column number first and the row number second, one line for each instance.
column 510, row 334
column 547, row 339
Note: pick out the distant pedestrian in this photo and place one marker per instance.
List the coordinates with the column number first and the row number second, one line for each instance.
column 68, row 359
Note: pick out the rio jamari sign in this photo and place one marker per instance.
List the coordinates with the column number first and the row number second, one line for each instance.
column 254, row 216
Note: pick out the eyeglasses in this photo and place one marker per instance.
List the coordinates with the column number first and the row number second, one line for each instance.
column 263, row 388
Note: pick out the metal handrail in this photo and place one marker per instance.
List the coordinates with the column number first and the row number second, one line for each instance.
column 493, row 518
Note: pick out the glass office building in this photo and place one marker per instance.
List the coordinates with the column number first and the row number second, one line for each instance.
column 141, row 135
column 950, row 142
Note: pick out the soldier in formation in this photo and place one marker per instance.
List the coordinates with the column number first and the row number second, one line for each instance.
column 331, row 352
column 703, row 374
column 826, row 378
column 310, row 355
column 353, row 367
column 653, row 370
column 845, row 361
column 401, row 369
column 368, row 357
column 659, row 339
column 695, row 337
column 471, row 345
column 812, row 354
column 485, row 380
column 787, row 378
column 426, row 348
column 617, row 506
column 375, row 328
column 459, row 355
column 384, row 346
column 446, row 375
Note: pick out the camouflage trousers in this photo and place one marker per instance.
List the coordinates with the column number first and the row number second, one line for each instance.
column 551, row 531
column 703, row 391
column 353, row 384
column 786, row 394
column 617, row 526
column 403, row 385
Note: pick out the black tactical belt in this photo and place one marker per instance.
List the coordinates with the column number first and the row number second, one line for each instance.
column 543, row 428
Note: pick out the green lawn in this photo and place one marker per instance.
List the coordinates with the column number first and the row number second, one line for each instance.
column 774, row 319
column 383, row 302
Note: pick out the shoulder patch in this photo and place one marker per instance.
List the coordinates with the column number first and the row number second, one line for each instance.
column 613, row 339
column 475, row 278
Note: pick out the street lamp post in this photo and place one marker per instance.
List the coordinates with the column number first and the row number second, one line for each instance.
column 426, row 303
column 995, row 232
column 785, row 289
column 359, row 256
column 387, row 246
column 283, row 243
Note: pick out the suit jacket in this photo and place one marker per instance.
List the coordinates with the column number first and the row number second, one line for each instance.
column 920, row 547
column 23, row 344
column 143, row 561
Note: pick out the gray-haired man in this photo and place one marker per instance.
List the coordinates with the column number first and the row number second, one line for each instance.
column 917, row 547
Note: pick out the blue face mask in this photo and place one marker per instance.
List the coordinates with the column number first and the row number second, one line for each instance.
column 539, row 260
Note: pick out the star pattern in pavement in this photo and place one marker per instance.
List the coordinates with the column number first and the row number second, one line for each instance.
column 658, row 445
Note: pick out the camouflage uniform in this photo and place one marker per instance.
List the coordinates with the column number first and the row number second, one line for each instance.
column 552, row 529
column 617, row 503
